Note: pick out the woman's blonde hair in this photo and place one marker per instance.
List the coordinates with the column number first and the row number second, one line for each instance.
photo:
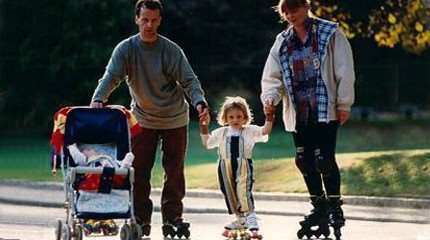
column 238, row 103
column 291, row 4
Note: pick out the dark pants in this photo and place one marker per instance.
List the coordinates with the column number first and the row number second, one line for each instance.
column 173, row 146
column 315, row 157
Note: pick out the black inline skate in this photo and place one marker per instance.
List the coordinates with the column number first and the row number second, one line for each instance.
column 315, row 223
column 146, row 229
column 177, row 228
column 335, row 216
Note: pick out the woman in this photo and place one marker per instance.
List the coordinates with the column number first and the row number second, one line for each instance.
column 310, row 68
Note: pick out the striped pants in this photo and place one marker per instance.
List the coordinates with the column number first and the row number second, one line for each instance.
column 236, row 180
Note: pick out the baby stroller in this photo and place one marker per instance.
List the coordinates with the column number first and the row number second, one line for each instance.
column 98, row 193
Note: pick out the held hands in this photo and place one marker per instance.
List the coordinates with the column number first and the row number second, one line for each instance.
column 269, row 109
column 204, row 118
column 342, row 116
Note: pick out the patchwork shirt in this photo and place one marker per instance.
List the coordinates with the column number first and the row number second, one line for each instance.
column 301, row 67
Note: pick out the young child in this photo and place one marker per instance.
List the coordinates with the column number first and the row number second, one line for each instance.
column 88, row 156
column 235, row 141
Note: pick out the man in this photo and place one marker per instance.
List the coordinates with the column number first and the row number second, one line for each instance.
column 310, row 68
column 158, row 76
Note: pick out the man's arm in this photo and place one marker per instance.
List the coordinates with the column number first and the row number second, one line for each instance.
column 186, row 77
column 114, row 74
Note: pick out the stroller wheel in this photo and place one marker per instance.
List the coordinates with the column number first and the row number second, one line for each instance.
column 125, row 233
column 65, row 232
column 136, row 231
column 58, row 229
column 77, row 233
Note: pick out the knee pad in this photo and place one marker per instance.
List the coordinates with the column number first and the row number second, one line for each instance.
column 300, row 159
column 323, row 162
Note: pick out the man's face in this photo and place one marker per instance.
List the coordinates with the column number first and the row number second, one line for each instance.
column 296, row 16
column 148, row 22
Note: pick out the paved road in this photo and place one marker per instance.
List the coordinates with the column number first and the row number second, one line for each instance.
column 37, row 223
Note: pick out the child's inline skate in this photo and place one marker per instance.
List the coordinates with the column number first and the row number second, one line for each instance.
column 335, row 216
column 105, row 227
column 245, row 227
column 315, row 223
column 252, row 225
column 236, row 230
column 177, row 228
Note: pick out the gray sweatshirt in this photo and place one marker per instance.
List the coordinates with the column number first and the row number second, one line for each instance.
column 158, row 76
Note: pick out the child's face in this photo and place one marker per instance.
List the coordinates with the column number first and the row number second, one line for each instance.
column 235, row 118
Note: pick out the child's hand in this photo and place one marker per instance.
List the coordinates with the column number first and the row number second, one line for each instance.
column 204, row 127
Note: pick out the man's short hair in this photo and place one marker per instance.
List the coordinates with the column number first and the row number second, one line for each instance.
column 150, row 4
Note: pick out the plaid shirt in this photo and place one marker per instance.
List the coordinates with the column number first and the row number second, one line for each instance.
column 324, row 30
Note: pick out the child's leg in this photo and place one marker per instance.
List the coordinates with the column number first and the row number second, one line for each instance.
column 245, row 180
column 227, row 183
column 78, row 156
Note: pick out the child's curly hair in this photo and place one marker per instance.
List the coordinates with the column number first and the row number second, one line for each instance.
column 238, row 103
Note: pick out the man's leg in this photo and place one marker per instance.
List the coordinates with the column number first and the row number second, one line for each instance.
column 174, row 145
column 144, row 147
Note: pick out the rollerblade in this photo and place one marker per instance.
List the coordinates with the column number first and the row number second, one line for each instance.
column 91, row 226
column 252, row 226
column 146, row 229
column 335, row 216
column 108, row 227
column 236, row 230
column 177, row 228
column 316, row 223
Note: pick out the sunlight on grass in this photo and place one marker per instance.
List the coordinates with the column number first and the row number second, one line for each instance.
column 405, row 173
column 375, row 159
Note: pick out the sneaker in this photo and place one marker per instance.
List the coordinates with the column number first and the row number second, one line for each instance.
column 251, row 222
column 239, row 223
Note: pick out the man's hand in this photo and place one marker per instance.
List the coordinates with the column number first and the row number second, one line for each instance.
column 342, row 116
column 96, row 104
column 204, row 116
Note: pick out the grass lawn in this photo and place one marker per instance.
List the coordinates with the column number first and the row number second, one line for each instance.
column 375, row 158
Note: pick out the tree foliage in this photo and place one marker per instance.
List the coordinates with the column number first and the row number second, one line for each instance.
column 388, row 22
column 53, row 52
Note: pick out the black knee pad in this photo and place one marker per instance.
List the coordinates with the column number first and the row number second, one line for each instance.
column 300, row 159
column 323, row 163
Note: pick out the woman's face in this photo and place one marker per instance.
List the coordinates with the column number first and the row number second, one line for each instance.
column 297, row 16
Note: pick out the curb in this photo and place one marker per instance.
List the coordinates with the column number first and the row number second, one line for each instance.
column 215, row 211
column 414, row 203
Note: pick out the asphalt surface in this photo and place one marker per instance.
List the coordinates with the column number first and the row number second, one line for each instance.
column 401, row 210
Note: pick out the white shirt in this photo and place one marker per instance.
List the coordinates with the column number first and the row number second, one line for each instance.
column 251, row 134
